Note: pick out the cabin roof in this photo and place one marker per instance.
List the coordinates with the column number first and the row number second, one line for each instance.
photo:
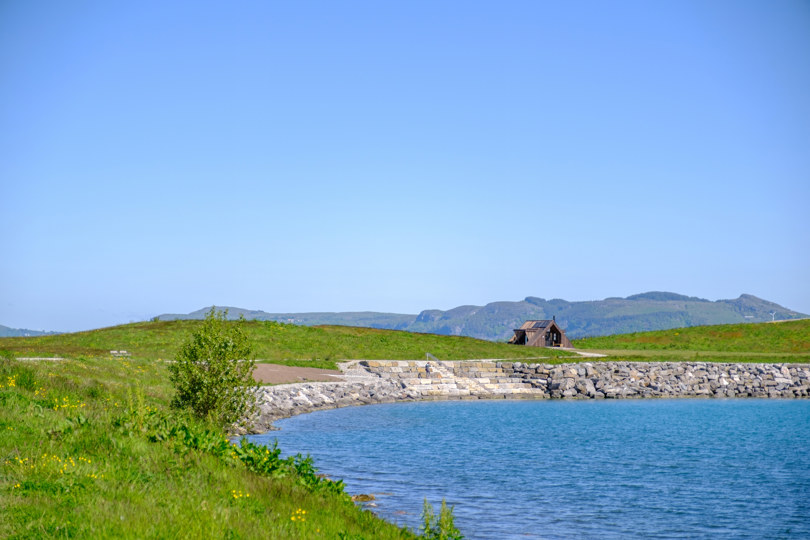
column 531, row 325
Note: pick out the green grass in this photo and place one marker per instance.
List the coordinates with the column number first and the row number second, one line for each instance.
column 619, row 355
column 274, row 342
column 89, row 449
column 787, row 341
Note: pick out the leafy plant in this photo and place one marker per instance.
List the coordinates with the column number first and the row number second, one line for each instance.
column 213, row 371
column 186, row 436
column 441, row 527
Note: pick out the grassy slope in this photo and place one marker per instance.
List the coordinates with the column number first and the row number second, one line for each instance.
column 275, row 342
column 787, row 341
column 70, row 468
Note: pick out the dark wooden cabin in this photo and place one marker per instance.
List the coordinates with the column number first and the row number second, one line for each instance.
column 540, row 334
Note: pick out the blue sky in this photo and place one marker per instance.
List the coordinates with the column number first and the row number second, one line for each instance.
column 336, row 156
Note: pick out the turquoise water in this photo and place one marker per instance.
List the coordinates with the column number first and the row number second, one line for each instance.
column 581, row 469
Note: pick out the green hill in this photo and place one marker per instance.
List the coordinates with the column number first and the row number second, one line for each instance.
column 322, row 346
column 790, row 337
column 275, row 342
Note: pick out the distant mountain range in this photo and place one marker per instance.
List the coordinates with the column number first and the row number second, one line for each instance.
column 495, row 321
column 5, row 331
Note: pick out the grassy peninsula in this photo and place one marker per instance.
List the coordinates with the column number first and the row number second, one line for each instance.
column 91, row 449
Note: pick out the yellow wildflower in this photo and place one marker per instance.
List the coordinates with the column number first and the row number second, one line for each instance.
column 238, row 494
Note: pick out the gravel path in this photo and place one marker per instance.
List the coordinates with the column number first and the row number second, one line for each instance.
column 276, row 374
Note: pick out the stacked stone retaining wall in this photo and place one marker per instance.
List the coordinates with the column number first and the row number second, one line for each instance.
column 371, row 381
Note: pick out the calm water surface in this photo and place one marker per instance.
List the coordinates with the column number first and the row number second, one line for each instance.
column 583, row 469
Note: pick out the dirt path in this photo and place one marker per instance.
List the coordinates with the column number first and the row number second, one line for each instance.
column 276, row 374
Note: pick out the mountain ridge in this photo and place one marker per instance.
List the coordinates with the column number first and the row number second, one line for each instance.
column 653, row 310
column 5, row 331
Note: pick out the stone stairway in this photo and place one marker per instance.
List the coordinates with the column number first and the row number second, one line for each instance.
column 458, row 379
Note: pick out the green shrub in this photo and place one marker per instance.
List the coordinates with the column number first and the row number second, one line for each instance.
column 188, row 435
column 439, row 527
column 213, row 371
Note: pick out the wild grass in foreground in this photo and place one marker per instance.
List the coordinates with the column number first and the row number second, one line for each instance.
column 90, row 449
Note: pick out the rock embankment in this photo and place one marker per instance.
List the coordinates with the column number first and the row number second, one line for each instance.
column 371, row 381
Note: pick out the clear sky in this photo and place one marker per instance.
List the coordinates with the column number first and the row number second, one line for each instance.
column 398, row 156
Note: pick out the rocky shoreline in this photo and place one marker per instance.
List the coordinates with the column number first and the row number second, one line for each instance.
column 382, row 381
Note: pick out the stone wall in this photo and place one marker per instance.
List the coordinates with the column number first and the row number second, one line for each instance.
column 370, row 381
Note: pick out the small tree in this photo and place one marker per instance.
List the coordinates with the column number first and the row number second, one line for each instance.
column 213, row 371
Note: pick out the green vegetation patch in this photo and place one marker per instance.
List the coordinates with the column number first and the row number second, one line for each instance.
column 90, row 449
column 788, row 337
